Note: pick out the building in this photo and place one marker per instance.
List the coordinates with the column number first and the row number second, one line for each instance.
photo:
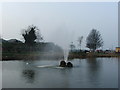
column 117, row 49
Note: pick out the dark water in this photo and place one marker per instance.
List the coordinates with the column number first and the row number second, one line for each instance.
column 86, row 73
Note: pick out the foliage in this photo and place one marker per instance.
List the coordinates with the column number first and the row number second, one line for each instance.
column 19, row 50
column 94, row 40
column 31, row 34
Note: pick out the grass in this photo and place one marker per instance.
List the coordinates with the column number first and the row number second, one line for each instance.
column 92, row 54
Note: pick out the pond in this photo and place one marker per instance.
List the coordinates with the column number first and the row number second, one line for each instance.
column 86, row 73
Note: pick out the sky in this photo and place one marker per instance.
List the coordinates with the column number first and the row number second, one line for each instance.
column 62, row 22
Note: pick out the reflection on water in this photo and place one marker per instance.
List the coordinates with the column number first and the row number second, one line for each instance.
column 86, row 73
column 94, row 65
column 29, row 75
column 0, row 75
column 93, row 71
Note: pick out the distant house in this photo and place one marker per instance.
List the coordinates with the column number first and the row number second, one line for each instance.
column 117, row 49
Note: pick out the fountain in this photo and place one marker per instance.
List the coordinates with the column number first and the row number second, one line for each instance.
column 65, row 63
column 66, row 52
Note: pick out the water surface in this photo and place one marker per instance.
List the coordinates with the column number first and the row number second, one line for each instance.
column 86, row 73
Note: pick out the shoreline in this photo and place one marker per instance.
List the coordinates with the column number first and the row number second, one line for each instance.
column 27, row 57
column 94, row 55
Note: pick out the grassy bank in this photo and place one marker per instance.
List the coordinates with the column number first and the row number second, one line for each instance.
column 22, row 51
column 92, row 54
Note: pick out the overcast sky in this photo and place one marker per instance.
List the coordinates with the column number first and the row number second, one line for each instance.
column 62, row 23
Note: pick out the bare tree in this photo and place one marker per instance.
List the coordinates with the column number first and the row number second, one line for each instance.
column 94, row 40
column 80, row 41
column 72, row 46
